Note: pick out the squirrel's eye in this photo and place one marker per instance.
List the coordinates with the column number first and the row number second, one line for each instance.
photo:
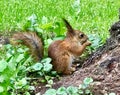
column 81, row 35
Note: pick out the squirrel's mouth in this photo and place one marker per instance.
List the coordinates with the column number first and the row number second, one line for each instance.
column 84, row 41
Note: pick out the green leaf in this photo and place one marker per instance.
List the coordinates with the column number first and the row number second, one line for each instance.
column 84, row 86
column 95, row 39
column 20, row 83
column 27, row 93
column 20, row 50
column 37, row 66
column 46, row 26
column 54, row 73
column 11, row 64
column 8, row 55
column 20, row 57
column 39, row 30
column 112, row 93
column 87, row 91
column 88, row 80
column 72, row 90
column 8, row 46
column 46, row 60
column 23, row 81
column 47, row 67
column 3, row 65
column 80, row 92
column 48, row 85
column 44, row 20
column 1, row 89
column 32, row 19
column 46, row 64
column 47, row 77
column 2, row 78
column 80, row 86
column 76, row 6
column 31, row 88
column 41, row 73
column 62, row 91
column 50, row 82
column 50, row 92
column 49, row 41
column 43, row 80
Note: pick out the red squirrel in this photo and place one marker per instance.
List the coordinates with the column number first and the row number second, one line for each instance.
column 62, row 52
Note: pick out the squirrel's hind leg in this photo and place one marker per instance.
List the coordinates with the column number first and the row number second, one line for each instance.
column 69, row 69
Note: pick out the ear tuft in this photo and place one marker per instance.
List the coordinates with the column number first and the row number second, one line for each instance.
column 69, row 27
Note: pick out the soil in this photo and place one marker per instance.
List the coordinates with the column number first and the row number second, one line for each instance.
column 103, row 66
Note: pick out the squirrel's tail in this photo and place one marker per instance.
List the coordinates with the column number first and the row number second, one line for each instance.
column 32, row 41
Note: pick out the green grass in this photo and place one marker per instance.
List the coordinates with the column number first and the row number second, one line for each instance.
column 95, row 16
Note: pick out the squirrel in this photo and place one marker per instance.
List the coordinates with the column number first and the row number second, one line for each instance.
column 62, row 52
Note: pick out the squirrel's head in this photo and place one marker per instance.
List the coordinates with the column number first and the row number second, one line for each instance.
column 75, row 34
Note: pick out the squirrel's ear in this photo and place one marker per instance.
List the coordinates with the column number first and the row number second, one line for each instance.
column 69, row 27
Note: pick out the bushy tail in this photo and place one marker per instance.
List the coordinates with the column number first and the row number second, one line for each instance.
column 32, row 41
